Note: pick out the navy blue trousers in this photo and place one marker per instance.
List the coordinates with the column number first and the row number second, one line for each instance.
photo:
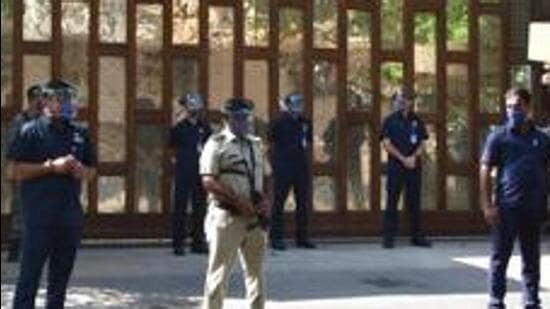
column 186, row 187
column 525, row 225
column 397, row 178
column 298, row 179
column 58, row 245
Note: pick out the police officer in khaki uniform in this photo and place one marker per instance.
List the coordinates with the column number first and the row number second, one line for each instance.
column 234, row 173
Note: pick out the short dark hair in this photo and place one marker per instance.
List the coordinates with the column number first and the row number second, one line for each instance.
column 521, row 93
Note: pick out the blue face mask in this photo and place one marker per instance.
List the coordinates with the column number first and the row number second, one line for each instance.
column 67, row 109
column 295, row 104
column 239, row 125
column 296, row 108
column 515, row 118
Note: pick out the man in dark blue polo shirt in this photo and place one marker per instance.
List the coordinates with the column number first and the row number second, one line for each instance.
column 52, row 157
column 403, row 136
column 290, row 136
column 187, row 139
column 35, row 99
column 521, row 154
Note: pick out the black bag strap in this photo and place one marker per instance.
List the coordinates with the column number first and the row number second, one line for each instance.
column 250, row 169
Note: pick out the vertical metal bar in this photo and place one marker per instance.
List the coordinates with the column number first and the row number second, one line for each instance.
column 93, row 89
column 474, row 110
column 441, row 50
column 376, row 57
column 203, row 45
column 131, row 79
column 307, row 14
column 17, row 68
column 57, row 44
column 273, row 58
column 342, row 124
column 167, row 95
column 238, row 44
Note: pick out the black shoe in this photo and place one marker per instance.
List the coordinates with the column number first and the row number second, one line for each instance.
column 179, row 251
column 388, row 244
column 305, row 244
column 421, row 242
column 278, row 245
column 199, row 248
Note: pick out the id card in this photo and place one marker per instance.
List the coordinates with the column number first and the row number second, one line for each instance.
column 304, row 136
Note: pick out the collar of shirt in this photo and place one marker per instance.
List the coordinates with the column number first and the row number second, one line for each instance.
column 288, row 115
column 409, row 117
column 530, row 126
column 231, row 137
column 192, row 121
column 27, row 115
column 59, row 125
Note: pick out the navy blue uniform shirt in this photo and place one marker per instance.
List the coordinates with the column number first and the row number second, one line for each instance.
column 15, row 126
column 188, row 139
column 51, row 200
column 291, row 138
column 522, row 162
column 406, row 133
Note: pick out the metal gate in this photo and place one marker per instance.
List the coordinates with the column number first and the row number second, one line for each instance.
column 131, row 58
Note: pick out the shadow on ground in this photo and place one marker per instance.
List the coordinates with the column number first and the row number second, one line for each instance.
column 152, row 278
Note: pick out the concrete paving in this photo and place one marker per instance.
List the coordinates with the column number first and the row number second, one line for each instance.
column 337, row 275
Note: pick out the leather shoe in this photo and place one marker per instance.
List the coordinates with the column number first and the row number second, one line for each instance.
column 421, row 242
column 278, row 245
column 179, row 251
column 305, row 244
column 199, row 248
column 388, row 243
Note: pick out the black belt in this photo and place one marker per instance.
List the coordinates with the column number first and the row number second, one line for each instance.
column 233, row 171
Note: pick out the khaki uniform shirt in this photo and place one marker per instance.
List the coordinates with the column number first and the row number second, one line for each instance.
column 228, row 158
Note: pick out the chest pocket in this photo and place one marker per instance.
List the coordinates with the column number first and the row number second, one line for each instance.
column 232, row 161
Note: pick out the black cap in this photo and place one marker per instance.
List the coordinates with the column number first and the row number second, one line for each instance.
column 35, row 91
column 294, row 99
column 238, row 106
column 62, row 87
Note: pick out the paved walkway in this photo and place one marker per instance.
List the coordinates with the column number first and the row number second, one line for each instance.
column 359, row 275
